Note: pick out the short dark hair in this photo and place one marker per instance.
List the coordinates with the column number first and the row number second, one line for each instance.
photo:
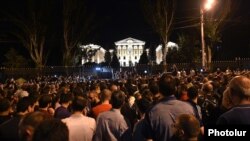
column 4, row 104
column 23, row 104
column 51, row 130
column 143, row 105
column 44, row 100
column 79, row 103
column 192, row 92
column 154, row 87
column 189, row 124
column 32, row 119
column 94, row 86
column 117, row 99
column 167, row 85
column 64, row 98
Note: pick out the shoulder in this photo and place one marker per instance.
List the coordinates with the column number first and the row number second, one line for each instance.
column 90, row 119
column 171, row 104
column 65, row 120
column 222, row 119
column 104, row 115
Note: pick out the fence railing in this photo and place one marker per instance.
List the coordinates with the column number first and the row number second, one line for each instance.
column 92, row 70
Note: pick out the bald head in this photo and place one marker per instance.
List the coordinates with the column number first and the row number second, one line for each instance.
column 106, row 95
column 240, row 86
column 208, row 87
column 189, row 125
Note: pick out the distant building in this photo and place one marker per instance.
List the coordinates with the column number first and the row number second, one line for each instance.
column 129, row 51
column 158, row 51
column 97, row 51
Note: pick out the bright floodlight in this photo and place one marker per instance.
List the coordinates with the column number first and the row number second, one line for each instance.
column 209, row 4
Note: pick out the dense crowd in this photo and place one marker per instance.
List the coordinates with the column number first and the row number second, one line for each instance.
column 170, row 106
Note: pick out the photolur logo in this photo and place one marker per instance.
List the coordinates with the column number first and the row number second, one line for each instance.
column 227, row 133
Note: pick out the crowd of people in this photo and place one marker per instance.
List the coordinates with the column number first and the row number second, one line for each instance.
column 169, row 106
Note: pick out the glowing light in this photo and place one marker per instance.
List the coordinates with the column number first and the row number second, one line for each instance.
column 209, row 4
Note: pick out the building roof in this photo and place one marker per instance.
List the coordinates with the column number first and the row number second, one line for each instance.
column 93, row 46
column 129, row 40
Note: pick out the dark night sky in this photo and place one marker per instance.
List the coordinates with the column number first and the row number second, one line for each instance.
column 119, row 19
column 125, row 18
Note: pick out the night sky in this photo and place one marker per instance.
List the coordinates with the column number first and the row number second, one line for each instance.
column 119, row 19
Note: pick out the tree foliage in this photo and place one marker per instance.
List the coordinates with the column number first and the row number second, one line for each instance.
column 144, row 58
column 107, row 57
column 187, row 52
column 115, row 62
column 189, row 49
column 14, row 60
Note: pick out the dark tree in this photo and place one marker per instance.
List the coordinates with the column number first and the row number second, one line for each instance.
column 107, row 57
column 173, row 56
column 216, row 20
column 160, row 15
column 144, row 58
column 14, row 60
column 115, row 62
column 33, row 29
column 189, row 50
column 77, row 23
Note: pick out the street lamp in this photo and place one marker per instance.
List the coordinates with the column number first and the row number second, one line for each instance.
column 207, row 6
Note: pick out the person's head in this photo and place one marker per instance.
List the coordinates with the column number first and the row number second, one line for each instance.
column 113, row 87
column 117, row 99
column 192, row 92
column 45, row 101
column 239, row 88
column 95, row 88
column 186, row 127
column 154, row 89
column 147, row 94
column 25, row 105
column 65, row 98
column 143, row 104
column 167, row 85
column 78, row 104
column 226, row 101
column 189, row 79
column 4, row 105
column 51, row 130
column 208, row 87
column 29, row 123
column 106, row 95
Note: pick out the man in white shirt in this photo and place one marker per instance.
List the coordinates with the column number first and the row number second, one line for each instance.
column 81, row 127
